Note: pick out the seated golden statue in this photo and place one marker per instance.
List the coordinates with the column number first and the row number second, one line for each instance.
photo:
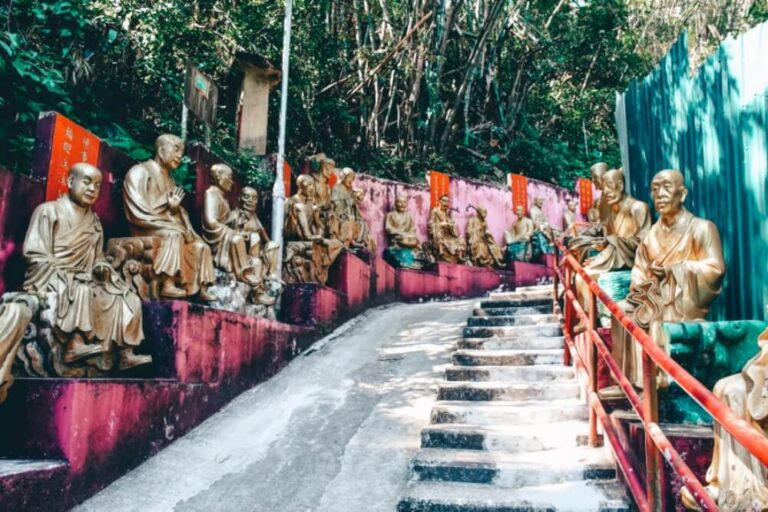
column 736, row 479
column 308, row 255
column 446, row 243
column 570, row 218
column 517, row 239
column 537, row 215
column 97, row 316
column 247, row 223
column 482, row 246
column 405, row 249
column 322, row 170
column 15, row 317
column 153, row 208
column 347, row 223
column 582, row 245
column 677, row 273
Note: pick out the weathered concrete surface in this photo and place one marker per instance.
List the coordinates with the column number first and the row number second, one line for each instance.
column 334, row 431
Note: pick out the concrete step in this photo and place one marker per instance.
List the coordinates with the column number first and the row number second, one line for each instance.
column 579, row 496
column 35, row 484
column 547, row 329
column 524, row 294
column 501, row 321
column 514, row 470
column 491, row 391
column 536, row 373
column 511, row 343
column 506, row 413
column 516, row 303
column 510, row 438
column 507, row 357
column 513, row 311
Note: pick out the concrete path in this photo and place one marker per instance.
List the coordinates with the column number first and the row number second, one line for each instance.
column 334, row 431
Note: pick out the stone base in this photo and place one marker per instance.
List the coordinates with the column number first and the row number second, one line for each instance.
column 312, row 304
column 103, row 427
column 351, row 276
column 450, row 280
column 530, row 274
column 384, row 281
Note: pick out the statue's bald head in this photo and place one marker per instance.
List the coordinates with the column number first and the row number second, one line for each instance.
column 306, row 185
column 597, row 171
column 168, row 151
column 84, row 184
column 613, row 186
column 668, row 191
column 222, row 176
column 249, row 199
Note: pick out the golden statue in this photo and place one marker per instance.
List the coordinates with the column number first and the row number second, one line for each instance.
column 445, row 241
column 14, row 320
column 582, row 245
column 736, row 479
column 308, row 255
column 597, row 172
column 482, row 246
column 322, row 170
column 570, row 218
column 96, row 313
column 537, row 215
column 517, row 239
column 346, row 221
column 400, row 227
column 678, row 271
column 153, row 208
column 247, row 223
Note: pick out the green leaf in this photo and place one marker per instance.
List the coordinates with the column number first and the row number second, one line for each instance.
column 111, row 35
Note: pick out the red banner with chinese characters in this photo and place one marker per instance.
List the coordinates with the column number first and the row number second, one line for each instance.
column 71, row 145
column 584, row 187
column 439, row 186
column 518, row 184
column 287, row 178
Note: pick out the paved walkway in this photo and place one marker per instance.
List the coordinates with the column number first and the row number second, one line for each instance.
column 334, row 431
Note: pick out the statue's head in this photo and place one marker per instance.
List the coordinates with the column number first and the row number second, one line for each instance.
column 168, row 151
column 84, row 183
column 539, row 202
column 668, row 191
column 572, row 204
column 401, row 203
column 222, row 176
column 347, row 176
column 519, row 211
column 249, row 199
column 613, row 186
column 327, row 166
column 306, row 186
column 482, row 213
column 597, row 171
column 445, row 202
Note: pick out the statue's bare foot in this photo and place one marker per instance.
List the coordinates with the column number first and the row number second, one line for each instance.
column 171, row 291
column 130, row 360
column 205, row 295
column 77, row 349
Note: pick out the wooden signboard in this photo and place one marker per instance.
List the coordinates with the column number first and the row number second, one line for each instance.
column 71, row 144
column 518, row 184
column 439, row 186
column 201, row 95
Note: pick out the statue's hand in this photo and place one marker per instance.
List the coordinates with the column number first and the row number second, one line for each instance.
column 174, row 199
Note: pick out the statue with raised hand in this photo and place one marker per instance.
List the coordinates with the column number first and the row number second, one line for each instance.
column 152, row 202
column 445, row 241
column 482, row 247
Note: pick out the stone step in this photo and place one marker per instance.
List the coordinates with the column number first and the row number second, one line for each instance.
column 524, row 292
column 513, row 311
column 516, row 303
column 514, row 470
column 579, row 496
column 535, row 373
column 32, row 484
column 506, row 413
column 491, row 391
column 510, row 438
column 464, row 357
column 510, row 320
column 548, row 329
column 511, row 343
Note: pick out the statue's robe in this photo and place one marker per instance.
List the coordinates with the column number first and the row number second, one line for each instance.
column 14, row 319
column 482, row 247
column 259, row 245
column 581, row 245
column 401, row 230
column 347, row 223
column 228, row 246
column 323, row 191
column 518, row 240
column 736, row 478
column 444, row 237
column 691, row 254
column 569, row 221
column 303, row 231
column 62, row 251
column 624, row 229
column 182, row 252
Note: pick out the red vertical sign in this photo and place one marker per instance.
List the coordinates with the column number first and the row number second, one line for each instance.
column 584, row 187
column 71, row 144
column 287, row 178
column 518, row 184
column 439, row 186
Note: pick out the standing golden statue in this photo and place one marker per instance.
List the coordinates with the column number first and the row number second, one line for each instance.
column 570, row 218
column 446, row 243
column 405, row 249
column 346, row 222
column 518, row 238
column 308, row 254
column 153, row 208
column 736, row 479
column 678, row 271
column 482, row 247
column 97, row 315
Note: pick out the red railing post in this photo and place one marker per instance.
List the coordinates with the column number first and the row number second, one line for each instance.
column 567, row 316
column 653, row 464
column 592, row 355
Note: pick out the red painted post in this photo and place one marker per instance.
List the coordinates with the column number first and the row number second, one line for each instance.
column 653, row 464
column 592, row 354
column 568, row 316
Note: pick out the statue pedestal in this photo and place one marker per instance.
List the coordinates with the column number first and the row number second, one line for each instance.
column 450, row 280
column 312, row 304
column 101, row 428
column 530, row 274
column 351, row 276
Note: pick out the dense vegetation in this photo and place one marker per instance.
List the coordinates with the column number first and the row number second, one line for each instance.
column 478, row 88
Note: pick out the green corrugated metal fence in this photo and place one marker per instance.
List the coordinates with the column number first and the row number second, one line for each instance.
column 713, row 126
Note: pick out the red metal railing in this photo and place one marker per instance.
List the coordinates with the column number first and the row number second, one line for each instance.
column 646, row 406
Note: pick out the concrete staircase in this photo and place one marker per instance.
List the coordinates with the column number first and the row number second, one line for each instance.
column 509, row 430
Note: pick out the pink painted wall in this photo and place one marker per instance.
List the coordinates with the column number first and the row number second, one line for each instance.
column 497, row 199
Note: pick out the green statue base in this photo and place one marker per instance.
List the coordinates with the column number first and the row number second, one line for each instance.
column 406, row 258
column 519, row 251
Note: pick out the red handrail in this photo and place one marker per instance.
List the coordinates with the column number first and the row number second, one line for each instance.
column 646, row 407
